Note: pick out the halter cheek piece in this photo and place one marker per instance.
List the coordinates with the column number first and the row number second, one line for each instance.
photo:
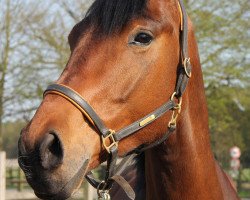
column 111, row 138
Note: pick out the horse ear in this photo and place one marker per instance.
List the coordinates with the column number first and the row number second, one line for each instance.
column 156, row 7
column 76, row 33
column 73, row 37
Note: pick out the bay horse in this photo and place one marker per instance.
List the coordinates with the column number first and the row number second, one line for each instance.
column 127, row 58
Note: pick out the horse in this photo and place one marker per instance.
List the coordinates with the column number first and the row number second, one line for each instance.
column 127, row 58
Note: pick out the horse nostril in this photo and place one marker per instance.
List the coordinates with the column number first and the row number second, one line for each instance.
column 51, row 151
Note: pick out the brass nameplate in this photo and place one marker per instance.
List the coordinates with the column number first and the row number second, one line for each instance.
column 147, row 120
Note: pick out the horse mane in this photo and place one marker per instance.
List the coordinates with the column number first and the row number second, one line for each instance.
column 110, row 16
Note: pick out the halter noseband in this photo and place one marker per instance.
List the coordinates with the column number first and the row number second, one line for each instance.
column 110, row 138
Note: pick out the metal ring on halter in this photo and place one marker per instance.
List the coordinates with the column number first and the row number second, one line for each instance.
column 99, row 189
column 186, row 62
column 103, row 194
column 179, row 103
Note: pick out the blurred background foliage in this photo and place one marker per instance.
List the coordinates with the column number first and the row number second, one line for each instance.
column 34, row 50
column 223, row 31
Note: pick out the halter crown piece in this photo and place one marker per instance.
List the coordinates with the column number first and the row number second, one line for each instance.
column 111, row 138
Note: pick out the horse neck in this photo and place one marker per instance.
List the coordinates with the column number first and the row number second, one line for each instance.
column 184, row 166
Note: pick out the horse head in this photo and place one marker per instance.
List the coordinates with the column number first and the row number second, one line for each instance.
column 125, row 57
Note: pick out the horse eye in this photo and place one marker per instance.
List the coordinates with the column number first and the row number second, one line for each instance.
column 143, row 39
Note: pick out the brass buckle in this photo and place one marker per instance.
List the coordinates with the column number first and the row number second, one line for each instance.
column 176, row 111
column 186, row 62
column 110, row 138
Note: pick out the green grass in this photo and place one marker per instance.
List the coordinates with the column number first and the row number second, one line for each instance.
column 244, row 193
column 245, row 176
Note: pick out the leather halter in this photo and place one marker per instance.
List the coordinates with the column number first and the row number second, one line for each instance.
column 111, row 138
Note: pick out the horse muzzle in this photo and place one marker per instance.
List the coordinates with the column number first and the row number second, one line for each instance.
column 46, row 171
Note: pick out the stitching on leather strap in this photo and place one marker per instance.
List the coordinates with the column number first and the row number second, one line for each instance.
column 181, row 15
column 74, row 103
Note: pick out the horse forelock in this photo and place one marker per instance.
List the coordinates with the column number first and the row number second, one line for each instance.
column 108, row 17
column 111, row 16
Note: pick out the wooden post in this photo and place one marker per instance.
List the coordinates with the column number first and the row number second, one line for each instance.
column 10, row 177
column 90, row 192
column 20, row 179
column 2, row 175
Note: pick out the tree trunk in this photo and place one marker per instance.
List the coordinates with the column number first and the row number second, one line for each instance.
column 4, row 66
